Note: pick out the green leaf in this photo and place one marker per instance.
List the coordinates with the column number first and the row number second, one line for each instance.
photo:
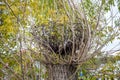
column 111, row 2
column 103, row 1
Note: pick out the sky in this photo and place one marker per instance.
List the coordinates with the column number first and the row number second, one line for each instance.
column 115, row 45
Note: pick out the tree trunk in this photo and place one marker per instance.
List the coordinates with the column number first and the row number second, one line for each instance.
column 61, row 72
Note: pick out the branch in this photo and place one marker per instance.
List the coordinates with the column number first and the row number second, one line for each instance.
column 11, row 10
column 1, row 61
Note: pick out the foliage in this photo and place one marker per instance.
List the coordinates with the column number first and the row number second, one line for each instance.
column 102, row 67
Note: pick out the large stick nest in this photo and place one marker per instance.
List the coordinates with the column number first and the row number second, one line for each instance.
column 63, row 43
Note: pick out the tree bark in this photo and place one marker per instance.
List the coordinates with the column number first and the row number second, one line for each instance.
column 61, row 72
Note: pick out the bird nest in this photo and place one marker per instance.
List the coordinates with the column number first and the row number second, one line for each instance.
column 66, row 43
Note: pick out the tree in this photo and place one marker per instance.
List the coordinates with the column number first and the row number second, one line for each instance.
column 63, row 33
